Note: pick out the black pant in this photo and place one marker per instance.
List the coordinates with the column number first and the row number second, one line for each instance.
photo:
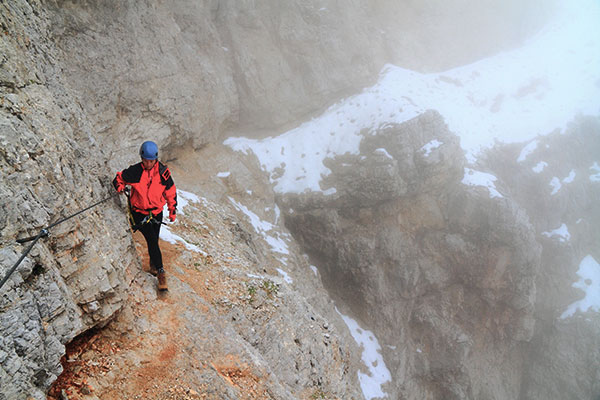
column 151, row 231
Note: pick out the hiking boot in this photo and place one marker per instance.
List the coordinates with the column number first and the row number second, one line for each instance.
column 162, row 281
column 153, row 269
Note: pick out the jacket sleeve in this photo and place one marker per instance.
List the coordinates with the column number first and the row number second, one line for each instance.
column 119, row 183
column 127, row 177
column 171, row 196
column 170, row 190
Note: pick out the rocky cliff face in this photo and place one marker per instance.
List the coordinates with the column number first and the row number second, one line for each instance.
column 476, row 291
column 443, row 272
column 237, row 322
column 77, row 278
column 445, row 275
column 54, row 154
column 188, row 73
column 554, row 178
column 53, row 165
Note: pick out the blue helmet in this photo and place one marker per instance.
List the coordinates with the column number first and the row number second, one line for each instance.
column 149, row 150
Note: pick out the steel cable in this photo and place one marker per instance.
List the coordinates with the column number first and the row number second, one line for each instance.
column 43, row 233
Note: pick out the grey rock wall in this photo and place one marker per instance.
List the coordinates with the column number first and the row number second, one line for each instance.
column 563, row 357
column 185, row 72
column 444, row 274
column 467, row 291
column 82, row 83
column 76, row 278
column 292, row 323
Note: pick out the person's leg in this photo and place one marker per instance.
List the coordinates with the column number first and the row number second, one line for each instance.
column 162, row 279
column 151, row 231
column 158, row 265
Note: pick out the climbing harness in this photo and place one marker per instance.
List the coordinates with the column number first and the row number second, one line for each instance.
column 44, row 233
column 149, row 219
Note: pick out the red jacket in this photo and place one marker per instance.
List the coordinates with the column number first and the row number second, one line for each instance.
column 150, row 189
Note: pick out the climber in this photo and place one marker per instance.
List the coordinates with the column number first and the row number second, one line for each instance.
column 151, row 186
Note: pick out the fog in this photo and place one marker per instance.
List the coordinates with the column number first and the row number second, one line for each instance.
column 513, row 96
column 457, row 277
column 530, row 84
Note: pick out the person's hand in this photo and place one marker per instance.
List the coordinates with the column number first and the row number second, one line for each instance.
column 172, row 216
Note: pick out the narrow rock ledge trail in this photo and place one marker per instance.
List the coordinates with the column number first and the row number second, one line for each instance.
column 180, row 344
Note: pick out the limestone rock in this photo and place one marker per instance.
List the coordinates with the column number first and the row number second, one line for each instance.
column 189, row 73
column 82, row 83
column 75, row 279
column 430, row 263
column 562, row 360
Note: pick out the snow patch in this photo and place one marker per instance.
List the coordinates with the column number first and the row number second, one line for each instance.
column 184, row 198
column 383, row 151
column 589, row 282
column 478, row 178
column 277, row 214
column 315, row 270
column 263, row 228
column 570, row 178
column 540, row 167
column 595, row 168
column 562, row 233
column 223, row 174
column 429, row 147
column 556, row 185
column 556, row 182
column 378, row 374
column 168, row 236
column 527, row 150
column 277, row 244
column 514, row 96
column 285, row 276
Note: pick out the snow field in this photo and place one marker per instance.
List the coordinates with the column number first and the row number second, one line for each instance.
column 510, row 97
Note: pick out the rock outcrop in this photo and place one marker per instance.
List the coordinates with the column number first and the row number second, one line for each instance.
column 75, row 279
column 475, row 289
column 53, row 159
column 185, row 72
column 230, row 327
column 442, row 272
column 554, row 179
